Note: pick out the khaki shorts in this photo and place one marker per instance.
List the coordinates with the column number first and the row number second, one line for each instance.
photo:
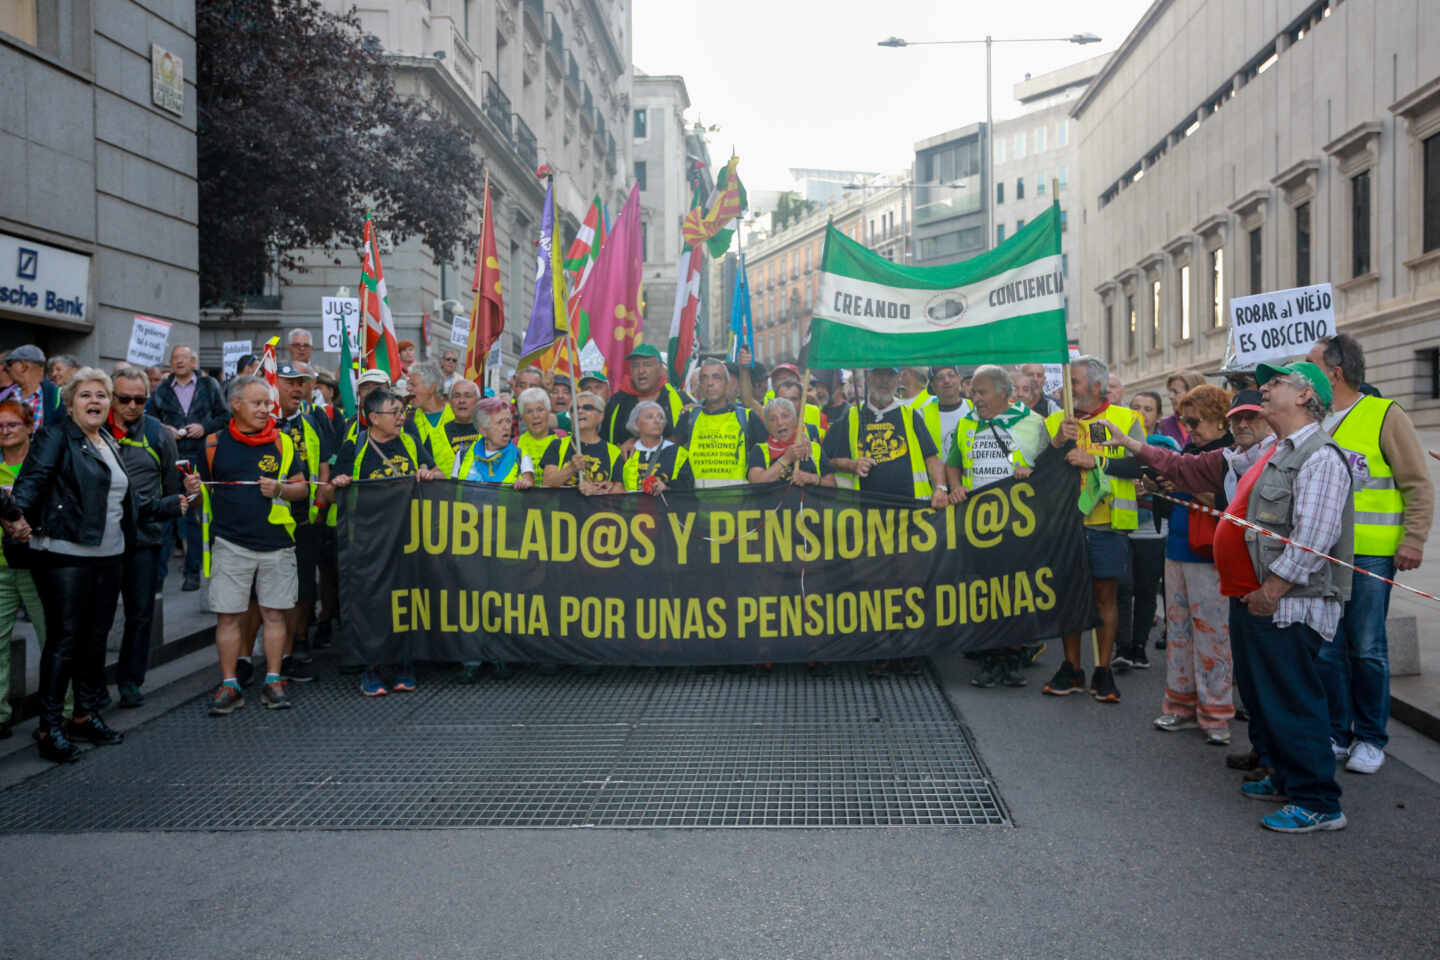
column 235, row 569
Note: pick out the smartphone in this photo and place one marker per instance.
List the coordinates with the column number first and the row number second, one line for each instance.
column 1098, row 433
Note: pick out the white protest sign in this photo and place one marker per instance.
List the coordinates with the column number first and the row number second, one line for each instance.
column 1279, row 325
column 230, row 353
column 147, row 341
column 460, row 331
column 1053, row 380
column 339, row 315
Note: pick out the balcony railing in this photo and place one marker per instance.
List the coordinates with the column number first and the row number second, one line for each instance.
column 495, row 104
column 525, row 143
column 587, row 107
column 555, row 44
column 535, row 15
column 572, row 75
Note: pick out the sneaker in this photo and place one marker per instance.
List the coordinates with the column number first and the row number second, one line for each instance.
column 1067, row 680
column 992, row 672
column 1365, row 758
column 1032, row 653
column 404, row 681
column 94, row 730
column 130, row 695
column 1121, row 662
column 470, row 672
column 274, row 697
column 1170, row 722
column 105, row 700
column 321, row 638
column 57, row 748
column 293, row 669
column 244, row 671
column 1293, row 819
column 1341, row 753
column 192, row 583
column 1139, row 659
column 1218, row 737
column 371, row 685
column 1010, row 665
column 1102, row 686
column 1263, row 790
column 226, row 700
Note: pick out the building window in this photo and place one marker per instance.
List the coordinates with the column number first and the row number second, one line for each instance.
column 1185, row 302
column 1019, row 188
column 1019, row 224
column 1431, row 201
column 1302, row 245
column 946, row 244
column 640, row 173
column 1217, row 287
column 645, row 242
column 642, row 123
column 1064, row 178
column 1256, row 259
column 1000, row 150
column 1360, row 224
column 999, row 233
column 1064, row 222
column 1062, row 137
column 1064, row 264
column 1040, row 184
column 1130, row 327
column 1109, row 332
column 1155, row 341
column 1000, row 192
column 1019, row 146
column 1039, row 139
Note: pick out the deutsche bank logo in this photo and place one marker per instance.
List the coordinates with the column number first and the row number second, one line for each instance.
column 29, row 262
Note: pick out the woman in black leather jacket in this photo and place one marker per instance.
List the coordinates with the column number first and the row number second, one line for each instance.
column 79, row 511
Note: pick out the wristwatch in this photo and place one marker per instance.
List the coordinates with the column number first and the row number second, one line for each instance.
column 944, row 487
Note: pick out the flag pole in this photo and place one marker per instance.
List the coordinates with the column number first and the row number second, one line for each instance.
column 1067, row 392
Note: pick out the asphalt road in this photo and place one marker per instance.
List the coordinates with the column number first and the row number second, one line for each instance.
column 1126, row 843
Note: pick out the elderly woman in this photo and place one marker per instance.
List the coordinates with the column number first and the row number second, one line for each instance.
column 591, row 464
column 536, row 432
column 784, row 456
column 17, row 587
column 78, row 511
column 656, row 464
column 494, row 458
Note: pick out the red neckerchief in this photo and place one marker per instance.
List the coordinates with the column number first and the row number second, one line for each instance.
column 259, row 439
column 777, row 450
column 116, row 430
column 1093, row 413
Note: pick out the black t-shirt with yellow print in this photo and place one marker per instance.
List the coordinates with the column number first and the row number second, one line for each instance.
column 241, row 514
column 603, row 461
column 381, row 460
column 883, row 439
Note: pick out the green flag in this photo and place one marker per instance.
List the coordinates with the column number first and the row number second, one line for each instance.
column 1006, row 305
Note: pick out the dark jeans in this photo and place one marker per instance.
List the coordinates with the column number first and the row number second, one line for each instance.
column 307, row 562
column 190, row 530
column 1356, row 667
column 1285, row 692
column 1137, row 600
column 79, row 604
column 142, row 578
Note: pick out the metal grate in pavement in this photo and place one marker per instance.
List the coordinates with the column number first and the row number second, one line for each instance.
column 621, row 747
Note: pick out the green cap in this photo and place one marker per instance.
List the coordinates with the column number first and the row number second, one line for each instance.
column 644, row 350
column 593, row 375
column 1303, row 369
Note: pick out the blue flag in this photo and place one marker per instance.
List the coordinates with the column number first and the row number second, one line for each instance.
column 742, row 330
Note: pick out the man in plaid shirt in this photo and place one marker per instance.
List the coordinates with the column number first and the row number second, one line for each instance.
column 1285, row 601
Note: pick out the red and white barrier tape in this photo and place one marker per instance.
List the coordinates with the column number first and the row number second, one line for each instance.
column 1251, row 525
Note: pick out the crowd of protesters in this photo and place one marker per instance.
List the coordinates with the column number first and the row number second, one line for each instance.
column 1259, row 627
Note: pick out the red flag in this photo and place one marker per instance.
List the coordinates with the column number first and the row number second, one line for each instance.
column 270, row 370
column 487, row 310
column 379, row 346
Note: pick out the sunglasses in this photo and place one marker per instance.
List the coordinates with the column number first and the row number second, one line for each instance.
column 126, row 401
column 590, row 406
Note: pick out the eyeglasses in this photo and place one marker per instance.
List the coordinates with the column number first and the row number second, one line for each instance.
column 125, row 401
column 590, row 406
column 393, row 412
column 12, row 425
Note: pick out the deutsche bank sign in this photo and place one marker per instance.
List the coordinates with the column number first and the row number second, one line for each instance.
column 45, row 282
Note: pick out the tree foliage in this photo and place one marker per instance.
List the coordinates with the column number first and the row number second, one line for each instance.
column 790, row 208
column 300, row 132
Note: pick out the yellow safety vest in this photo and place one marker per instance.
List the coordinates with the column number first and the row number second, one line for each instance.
column 631, row 473
column 535, row 447
column 814, row 454
column 312, row 463
column 964, row 441
column 563, row 457
column 718, row 443
column 1379, row 504
column 279, row 515
column 669, row 396
column 462, row 467
column 407, row 441
column 918, row 474
column 929, row 411
column 1124, row 507
column 436, row 436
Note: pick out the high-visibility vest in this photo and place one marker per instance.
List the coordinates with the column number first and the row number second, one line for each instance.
column 1124, row 507
column 964, row 442
column 1379, row 504
column 718, row 452
column 279, row 515
column 312, row 464
column 535, row 447
column 436, row 436
column 631, row 473
column 563, row 457
column 465, row 461
column 814, row 454
column 929, row 411
column 919, row 476
column 669, row 397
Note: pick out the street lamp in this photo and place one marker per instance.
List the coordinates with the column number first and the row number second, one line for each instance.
column 1079, row 39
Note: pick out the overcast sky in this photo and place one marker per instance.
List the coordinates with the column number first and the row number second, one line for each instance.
column 798, row 83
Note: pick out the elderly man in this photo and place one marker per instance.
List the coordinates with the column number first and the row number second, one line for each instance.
column 60, row 368
column 431, row 412
column 647, row 375
column 147, row 451
column 450, row 365
column 192, row 405
column 593, row 381
column 464, row 395
column 914, row 382
column 1285, row 600
column 883, row 446
column 256, row 467
column 1394, row 502
column 1117, row 390
column 26, row 367
column 300, row 345
column 718, row 433
column 949, row 403
column 562, row 395
column 311, row 441
column 1113, row 513
column 1035, row 373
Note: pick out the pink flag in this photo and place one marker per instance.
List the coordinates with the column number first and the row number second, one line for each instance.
column 611, row 295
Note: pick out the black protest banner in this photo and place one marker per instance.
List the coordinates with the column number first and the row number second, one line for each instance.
column 454, row 571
